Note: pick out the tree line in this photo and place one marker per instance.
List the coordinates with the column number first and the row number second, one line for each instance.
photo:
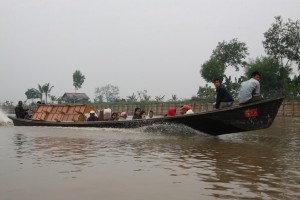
column 282, row 47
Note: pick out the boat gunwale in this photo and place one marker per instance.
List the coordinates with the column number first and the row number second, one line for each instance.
column 152, row 119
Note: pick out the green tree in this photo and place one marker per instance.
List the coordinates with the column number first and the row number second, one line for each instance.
column 78, row 79
column 33, row 94
column 159, row 98
column 294, row 86
column 274, row 78
column 174, row 98
column 143, row 95
column 206, row 92
column 131, row 98
column 282, row 41
column 53, row 98
column 212, row 69
column 226, row 54
column 231, row 53
column 40, row 89
column 46, row 88
column 232, row 87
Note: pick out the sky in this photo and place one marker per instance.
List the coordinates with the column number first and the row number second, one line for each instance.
column 136, row 45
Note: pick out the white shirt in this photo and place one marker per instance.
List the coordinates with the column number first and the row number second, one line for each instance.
column 189, row 112
column 248, row 89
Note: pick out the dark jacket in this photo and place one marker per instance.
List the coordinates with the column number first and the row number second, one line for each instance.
column 222, row 96
column 21, row 112
column 136, row 117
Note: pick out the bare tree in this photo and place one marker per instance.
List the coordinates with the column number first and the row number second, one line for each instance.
column 109, row 93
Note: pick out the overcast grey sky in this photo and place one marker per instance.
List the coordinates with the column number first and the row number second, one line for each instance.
column 153, row 45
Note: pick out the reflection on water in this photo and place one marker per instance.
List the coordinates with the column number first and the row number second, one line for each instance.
column 256, row 165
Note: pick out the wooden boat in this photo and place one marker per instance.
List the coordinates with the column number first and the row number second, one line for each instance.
column 254, row 116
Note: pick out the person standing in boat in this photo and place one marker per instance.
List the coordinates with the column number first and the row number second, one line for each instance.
column 250, row 90
column 186, row 110
column 93, row 116
column 20, row 111
column 224, row 98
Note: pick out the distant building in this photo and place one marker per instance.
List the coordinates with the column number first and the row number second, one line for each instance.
column 75, row 97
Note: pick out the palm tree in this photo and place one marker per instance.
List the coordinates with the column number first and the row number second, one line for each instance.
column 78, row 79
column 40, row 89
column 46, row 89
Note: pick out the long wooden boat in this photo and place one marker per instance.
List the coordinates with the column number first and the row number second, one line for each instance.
column 254, row 116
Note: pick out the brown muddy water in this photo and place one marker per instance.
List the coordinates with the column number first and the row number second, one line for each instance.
column 41, row 163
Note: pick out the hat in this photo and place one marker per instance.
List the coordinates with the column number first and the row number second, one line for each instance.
column 186, row 107
column 124, row 114
column 92, row 111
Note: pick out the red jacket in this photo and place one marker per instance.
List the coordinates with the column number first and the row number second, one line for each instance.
column 171, row 112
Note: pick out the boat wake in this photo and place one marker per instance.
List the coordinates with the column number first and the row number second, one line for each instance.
column 155, row 129
column 171, row 129
column 4, row 120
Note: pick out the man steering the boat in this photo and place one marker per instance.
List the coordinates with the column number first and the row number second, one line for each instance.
column 250, row 90
column 20, row 111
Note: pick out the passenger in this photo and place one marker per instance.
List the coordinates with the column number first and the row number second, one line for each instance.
column 186, row 110
column 123, row 116
column 93, row 116
column 224, row 98
column 136, row 114
column 143, row 114
column 20, row 111
column 150, row 115
column 113, row 116
column 250, row 90
column 171, row 112
column 118, row 116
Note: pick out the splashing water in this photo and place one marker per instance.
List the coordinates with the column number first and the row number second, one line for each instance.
column 173, row 129
column 3, row 118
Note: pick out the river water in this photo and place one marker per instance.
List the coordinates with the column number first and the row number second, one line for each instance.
column 41, row 163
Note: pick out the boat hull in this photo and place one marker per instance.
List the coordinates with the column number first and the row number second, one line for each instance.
column 258, row 115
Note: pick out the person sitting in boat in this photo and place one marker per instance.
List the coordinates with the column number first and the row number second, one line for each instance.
column 113, row 116
column 118, row 116
column 186, row 110
column 123, row 116
column 20, row 111
column 150, row 115
column 143, row 114
column 250, row 90
column 136, row 114
column 224, row 98
column 171, row 112
column 93, row 116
